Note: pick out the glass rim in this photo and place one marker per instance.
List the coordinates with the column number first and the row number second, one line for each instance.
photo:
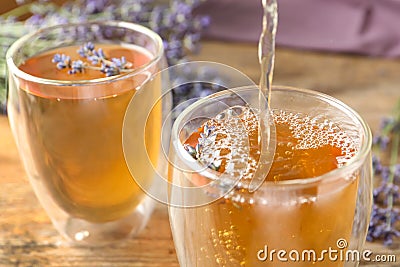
column 122, row 24
column 331, row 176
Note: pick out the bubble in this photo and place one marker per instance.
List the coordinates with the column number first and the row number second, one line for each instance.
column 314, row 132
column 227, row 144
column 235, row 111
column 220, row 116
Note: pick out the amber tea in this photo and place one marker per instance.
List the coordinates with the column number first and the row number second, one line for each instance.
column 299, row 207
column 77, row 143
column 68, row 99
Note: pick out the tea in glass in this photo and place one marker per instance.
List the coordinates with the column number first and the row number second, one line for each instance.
column 316, row 196
column 68, row 126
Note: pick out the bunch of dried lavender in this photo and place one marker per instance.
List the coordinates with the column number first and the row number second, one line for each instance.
column 385, row 217
column 173, row 20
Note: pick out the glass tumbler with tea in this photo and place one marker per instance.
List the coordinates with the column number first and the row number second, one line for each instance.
column 69, row 87
column 312, row 208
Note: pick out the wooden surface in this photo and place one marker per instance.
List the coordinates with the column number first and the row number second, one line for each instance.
column 370, row 85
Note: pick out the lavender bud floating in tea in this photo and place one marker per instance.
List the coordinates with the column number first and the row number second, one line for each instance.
column 97, row 58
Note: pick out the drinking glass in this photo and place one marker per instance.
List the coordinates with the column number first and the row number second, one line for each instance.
column 302, row 217
column 69, row 131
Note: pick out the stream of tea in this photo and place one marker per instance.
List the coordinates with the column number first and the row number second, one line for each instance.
column 266, row 56
column 266, row 48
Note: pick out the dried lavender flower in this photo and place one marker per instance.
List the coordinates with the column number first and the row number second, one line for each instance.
column 110, row 67
column 385, row 216
column 62, row 61
column 76, row 66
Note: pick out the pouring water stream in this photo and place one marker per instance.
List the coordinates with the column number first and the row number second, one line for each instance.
column 266, row 56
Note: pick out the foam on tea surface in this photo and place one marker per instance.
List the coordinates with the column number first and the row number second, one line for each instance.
column 306, row 146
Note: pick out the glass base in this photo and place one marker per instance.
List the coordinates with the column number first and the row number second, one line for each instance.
column 81, row 232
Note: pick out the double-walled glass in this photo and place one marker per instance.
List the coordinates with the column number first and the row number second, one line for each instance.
column 319, row 221
column 69, row 132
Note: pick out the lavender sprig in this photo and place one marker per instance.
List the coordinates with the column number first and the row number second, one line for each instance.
column 385, row 217
column 196, row 151
column 378, row 228
column 97, row 57
column 173, row 20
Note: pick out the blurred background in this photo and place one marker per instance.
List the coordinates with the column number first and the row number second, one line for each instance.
column 347, row 48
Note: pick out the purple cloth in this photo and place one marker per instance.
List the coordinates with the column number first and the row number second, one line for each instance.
column 360, row 26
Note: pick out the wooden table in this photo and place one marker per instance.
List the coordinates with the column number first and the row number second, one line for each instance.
column 370, row 85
